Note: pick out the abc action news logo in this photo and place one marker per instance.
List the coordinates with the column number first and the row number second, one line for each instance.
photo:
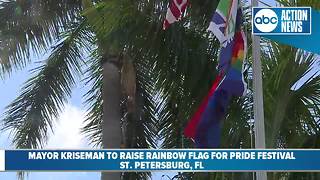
column 281, row 21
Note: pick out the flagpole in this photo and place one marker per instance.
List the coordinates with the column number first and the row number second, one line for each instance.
column 258, row 98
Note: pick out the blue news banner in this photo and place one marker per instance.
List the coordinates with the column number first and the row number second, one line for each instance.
column 155, row 160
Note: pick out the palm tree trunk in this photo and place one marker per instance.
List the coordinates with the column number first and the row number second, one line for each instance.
column 111, row 130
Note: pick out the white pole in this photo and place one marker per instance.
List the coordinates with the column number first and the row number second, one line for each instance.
column 258, row 98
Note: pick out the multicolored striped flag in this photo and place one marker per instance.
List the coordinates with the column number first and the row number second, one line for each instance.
column 174, row 12
column 234, row 81
column 205, row 125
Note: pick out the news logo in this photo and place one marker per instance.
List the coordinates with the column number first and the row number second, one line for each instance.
column 281, row 21
column 266, row 20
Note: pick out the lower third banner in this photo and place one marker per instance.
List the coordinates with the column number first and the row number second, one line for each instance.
column 155, row 160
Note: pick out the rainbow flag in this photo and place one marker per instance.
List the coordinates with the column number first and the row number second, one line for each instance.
column 205, row 125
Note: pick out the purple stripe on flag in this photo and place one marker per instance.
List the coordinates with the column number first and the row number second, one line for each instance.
column 233, row 82
column 225, row 58
column 208, row 130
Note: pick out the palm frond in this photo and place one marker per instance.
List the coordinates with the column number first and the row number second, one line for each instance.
column 136, row 175
column 184, row 78
column 93, row 122
column 31, row 115
column 313, row 3
column 292, row 100
column 168, row 51
column 28, row 28
column 146, row 122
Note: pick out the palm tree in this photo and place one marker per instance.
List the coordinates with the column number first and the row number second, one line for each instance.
column 94, row 40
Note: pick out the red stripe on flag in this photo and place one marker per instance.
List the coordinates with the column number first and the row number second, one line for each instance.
column 184, row 7
column 238, row 44
column 165, row 24
column 175, row 11
column 190, row 130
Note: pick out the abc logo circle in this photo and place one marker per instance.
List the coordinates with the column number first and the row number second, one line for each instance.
column 266, row 20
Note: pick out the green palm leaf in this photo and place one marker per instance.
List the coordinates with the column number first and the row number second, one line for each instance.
column 29, row 28
column 31, row 115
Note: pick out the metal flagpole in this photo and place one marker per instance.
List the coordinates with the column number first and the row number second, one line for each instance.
column 258, row 97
